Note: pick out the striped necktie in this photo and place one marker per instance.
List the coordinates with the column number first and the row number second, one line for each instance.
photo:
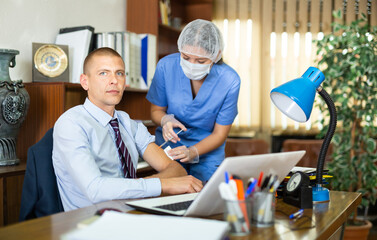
column 127, row 166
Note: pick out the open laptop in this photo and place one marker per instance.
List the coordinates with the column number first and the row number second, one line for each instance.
column 208, row 201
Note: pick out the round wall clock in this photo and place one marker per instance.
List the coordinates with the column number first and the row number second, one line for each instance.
column 50, row 62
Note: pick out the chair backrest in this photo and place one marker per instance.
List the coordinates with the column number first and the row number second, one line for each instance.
column 312, row 148
column 40, row 194
column 245, row 146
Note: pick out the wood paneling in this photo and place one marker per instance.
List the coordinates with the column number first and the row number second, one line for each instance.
column 12, row 199
column 46, row 105
column 142, row 16
column 1, row 201
column 136, row 105
column 195, row 11
column 11, row 180
column 167, row 40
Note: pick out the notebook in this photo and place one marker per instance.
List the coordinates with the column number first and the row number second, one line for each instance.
column 208, row 201
column 119, row 226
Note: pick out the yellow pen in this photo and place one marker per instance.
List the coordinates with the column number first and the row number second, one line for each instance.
column 275, row 185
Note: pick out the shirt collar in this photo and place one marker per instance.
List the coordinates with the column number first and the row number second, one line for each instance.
column 97, row 113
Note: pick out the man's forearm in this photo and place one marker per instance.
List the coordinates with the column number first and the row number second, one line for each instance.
column 174, row 169
column 157, row 159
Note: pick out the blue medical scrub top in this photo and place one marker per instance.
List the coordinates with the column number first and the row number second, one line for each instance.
column 216, row 102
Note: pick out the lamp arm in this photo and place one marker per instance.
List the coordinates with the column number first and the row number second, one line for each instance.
column 329, row 134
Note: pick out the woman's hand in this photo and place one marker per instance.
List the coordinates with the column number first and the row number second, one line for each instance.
column 186, row 155
column 168, row 123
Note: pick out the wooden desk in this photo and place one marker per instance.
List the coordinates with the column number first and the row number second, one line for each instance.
column 326, row 217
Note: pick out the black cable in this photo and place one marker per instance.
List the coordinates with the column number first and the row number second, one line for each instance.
column 328, row 136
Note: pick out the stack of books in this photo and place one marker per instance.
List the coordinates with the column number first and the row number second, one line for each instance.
column 138, row 52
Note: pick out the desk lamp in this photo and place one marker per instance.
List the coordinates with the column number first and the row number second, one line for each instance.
column 295, row 99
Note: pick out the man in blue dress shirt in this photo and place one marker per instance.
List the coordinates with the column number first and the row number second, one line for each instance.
column 87, row 165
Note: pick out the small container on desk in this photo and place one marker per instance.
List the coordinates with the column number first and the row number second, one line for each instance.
column 238, row 214
column 263, row 213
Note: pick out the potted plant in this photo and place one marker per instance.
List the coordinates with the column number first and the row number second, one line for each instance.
column 348, row 59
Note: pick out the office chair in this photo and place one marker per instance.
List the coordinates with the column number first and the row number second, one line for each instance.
column 40, row 194
column 245, row 146
column 312, row 148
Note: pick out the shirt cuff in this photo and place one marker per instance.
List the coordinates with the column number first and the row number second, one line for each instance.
column 153, row 187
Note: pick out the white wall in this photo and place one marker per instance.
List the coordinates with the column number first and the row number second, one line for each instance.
column 25, row 21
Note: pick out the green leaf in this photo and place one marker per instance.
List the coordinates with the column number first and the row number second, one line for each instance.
column 371, row 145
column 337, row 27
column 337, row 14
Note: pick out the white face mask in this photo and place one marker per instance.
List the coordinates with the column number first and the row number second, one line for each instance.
column 195, row 71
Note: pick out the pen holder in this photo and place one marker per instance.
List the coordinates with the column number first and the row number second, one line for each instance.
column 263, row 213
column 238, row 215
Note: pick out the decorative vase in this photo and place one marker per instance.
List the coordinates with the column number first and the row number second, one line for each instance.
column 14, row 103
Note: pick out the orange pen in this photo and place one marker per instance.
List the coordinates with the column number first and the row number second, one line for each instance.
column 241, row 197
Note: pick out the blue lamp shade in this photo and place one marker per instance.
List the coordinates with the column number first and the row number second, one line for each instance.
column 295, row 98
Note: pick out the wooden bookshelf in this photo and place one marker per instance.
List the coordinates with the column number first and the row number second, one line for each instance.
column 143, row 17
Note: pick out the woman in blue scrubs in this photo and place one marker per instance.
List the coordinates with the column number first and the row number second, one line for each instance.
column 195, row 91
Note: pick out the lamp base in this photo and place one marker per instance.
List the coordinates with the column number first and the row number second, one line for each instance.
column 320, row 194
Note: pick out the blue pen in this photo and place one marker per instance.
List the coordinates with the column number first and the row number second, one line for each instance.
column 226, row 177
column 296, row 214
column 251, row 187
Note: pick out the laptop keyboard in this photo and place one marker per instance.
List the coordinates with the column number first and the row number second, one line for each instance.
column 176, row 206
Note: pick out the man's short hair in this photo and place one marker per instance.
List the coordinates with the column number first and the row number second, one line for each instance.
column 104, row 51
